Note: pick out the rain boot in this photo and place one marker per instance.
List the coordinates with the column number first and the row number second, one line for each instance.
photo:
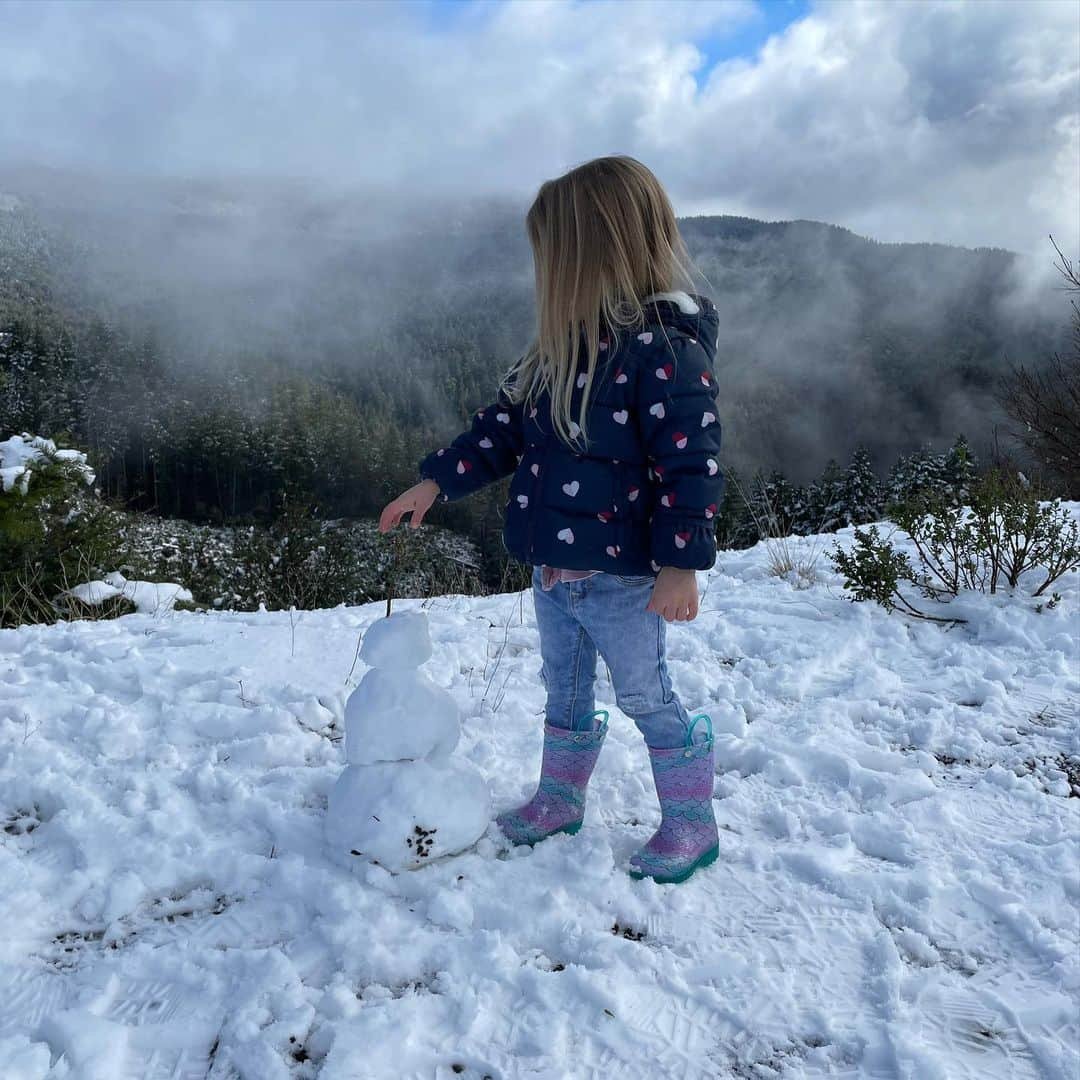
column 559, row 803
column 687, row 838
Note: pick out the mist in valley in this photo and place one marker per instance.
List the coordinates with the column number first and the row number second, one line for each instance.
column 828, row 340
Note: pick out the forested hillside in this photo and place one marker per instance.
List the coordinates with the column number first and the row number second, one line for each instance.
column 214, row 353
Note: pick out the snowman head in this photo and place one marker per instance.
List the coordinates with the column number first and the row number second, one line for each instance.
column 400, row 641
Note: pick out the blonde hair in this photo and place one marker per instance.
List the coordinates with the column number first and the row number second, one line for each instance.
column 604, row 237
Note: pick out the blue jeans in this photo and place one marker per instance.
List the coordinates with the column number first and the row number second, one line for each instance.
column 606, row 614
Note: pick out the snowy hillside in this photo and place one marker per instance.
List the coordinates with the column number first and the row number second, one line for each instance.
column 897, row 893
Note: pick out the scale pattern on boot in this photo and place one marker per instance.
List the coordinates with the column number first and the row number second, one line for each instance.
column 559, row 802
column 687, row 838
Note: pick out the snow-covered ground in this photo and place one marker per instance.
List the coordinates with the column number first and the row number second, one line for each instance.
column 897, row 893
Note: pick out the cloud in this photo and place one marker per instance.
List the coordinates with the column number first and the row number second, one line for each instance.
column 949, row 122
column 954, row 122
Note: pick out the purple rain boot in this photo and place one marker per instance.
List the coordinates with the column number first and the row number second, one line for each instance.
column 687, row 838
column 559, row 802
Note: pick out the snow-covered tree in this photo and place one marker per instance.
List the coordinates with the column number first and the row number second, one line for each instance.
column 919, row 473
column 958, row 470
column 823, row 509
column 860, row 493
column 928, row 474
column 778, row 504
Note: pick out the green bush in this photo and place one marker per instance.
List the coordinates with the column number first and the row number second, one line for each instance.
column 54, row 530
column 1005, row 534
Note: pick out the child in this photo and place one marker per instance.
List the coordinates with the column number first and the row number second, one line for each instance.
column 610, row 428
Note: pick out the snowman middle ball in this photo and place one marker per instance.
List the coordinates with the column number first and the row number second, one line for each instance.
column 396, row 715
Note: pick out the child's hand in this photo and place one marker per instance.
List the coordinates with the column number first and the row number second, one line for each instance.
column 418, row 499
column 675, row 594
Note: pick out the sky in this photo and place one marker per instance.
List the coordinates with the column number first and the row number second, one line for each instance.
column 956, row 122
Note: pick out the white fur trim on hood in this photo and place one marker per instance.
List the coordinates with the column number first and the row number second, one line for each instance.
column 686, row 305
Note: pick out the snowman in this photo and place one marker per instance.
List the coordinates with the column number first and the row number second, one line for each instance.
column 403, row 800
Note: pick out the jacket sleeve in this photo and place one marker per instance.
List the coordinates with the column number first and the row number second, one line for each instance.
column 487, row 452
column 680, row 428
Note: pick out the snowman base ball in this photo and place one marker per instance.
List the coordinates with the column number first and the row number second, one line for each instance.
column 403, row 814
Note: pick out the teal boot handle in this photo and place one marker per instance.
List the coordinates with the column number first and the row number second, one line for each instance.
column 693, row 724
column 589, row 716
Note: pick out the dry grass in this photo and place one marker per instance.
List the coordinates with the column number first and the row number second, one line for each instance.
column 794, row 558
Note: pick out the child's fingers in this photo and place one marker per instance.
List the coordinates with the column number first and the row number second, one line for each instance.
column 391, row 515
column 681, row 610
column 673, row 610
column 418, row 513
column 664, row 609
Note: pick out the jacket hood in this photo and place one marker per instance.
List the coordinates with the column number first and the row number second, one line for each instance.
column 691, row 313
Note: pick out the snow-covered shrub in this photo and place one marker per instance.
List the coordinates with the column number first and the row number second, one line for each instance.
column 1005, row 535
column 236, row 568
column 54, row 531
column 296, row 562
column 304, row 562
column 23, row 455
column 118, row 595
column 170, row 549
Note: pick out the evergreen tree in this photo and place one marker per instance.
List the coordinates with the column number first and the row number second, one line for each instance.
column 861, row 498
column 958, row 471
column 18, row 368
column 918, row 474
column 60, row 416
column 735, row 527
column 777, row 504
column 823, row 509
column 925, row 474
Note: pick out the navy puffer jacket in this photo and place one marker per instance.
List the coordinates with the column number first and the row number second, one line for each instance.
column 642, row 495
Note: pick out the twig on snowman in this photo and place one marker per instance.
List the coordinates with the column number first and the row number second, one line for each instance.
column 397, row 551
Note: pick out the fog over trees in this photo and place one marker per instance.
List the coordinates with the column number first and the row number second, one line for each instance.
column 217, row 345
